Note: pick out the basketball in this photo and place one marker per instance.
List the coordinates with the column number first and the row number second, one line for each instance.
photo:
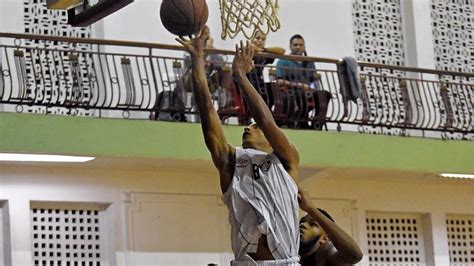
column 184, row 17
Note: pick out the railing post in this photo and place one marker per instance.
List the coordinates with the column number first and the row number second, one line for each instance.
column 155, row 81
column 384, row 93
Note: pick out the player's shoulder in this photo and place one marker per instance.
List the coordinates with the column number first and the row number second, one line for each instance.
column 255, row 155
column 333, row 257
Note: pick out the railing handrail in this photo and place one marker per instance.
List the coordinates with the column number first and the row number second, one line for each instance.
column 226, row 52
column 151, row 81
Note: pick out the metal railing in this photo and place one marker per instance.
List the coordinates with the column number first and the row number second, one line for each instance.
column 68, row 76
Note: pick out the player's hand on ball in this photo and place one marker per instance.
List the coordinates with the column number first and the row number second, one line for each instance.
column 195, row 45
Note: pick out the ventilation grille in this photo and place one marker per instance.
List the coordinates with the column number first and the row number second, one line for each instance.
column 460, row 239
column 66, row 237
column 395, row 239
column 44, row 77
column 377, row 27
column 453, row 24
column 378, row 38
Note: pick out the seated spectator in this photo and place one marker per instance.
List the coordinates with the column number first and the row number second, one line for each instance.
column 256, row 74
column 299, row 77
column 236, row 106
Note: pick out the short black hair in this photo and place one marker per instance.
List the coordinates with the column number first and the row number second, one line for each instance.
column 326, row 214
column 307, row 217
column 296, row 36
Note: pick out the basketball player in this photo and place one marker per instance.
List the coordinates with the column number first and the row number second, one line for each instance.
column 256, row 74
column 257, row 180
column 323, row 243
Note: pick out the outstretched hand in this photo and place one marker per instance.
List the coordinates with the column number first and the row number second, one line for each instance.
column 305, row 201
column 195, row 45
column 243, row 62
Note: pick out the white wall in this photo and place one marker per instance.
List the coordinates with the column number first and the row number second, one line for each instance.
column 170, row 213
column 11, row 16
column 325, row 24
column 5, row 249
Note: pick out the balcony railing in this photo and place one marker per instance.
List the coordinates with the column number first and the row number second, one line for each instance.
column 67, row 76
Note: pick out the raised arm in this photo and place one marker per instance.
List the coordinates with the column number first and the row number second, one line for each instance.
column 274, row 50
column 281, row 145
column 346, row 249
column 223, row 154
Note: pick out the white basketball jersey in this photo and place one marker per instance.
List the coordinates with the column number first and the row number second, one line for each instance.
column 262, row 199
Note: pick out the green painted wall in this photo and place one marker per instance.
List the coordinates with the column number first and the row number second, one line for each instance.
column 141, row 138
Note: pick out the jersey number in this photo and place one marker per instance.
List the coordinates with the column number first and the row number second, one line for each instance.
column 256, row 173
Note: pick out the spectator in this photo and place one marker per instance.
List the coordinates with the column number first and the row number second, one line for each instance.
column 256, row 74
column 298, row 77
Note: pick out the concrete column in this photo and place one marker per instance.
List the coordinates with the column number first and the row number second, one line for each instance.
column 438, row 238
column 418, row 34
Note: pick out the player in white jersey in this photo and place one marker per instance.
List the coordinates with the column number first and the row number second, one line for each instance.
column 258, row 181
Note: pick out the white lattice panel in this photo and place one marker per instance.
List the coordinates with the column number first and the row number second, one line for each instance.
column 460, row 239
column 395, row 239
column 453, row 34
column 62, row 236
column 377, row 27
column 46, row 70
column 378, row 38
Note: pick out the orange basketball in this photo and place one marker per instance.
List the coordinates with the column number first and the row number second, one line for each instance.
column 184, row 17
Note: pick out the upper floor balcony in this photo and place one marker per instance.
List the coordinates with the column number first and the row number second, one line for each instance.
column 131, row 80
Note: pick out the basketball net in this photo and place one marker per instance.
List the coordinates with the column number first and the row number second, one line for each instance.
column 248, row 17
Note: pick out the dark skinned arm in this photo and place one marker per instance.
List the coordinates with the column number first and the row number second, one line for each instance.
column 346, row 249
column 222, row 153
column 281, row 145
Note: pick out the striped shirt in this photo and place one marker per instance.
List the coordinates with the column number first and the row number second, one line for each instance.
column 263, row 199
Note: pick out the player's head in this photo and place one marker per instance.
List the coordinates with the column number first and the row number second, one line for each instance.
column 311, row 234
column 259, row 40
column 254, row 138
column 297, row 45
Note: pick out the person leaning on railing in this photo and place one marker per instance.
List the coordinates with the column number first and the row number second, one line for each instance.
column 298, row 77
column 256, row 74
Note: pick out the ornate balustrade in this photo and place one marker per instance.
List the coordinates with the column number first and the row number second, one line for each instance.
column 67, row 76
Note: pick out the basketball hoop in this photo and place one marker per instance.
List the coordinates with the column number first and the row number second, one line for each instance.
column 248, row 17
